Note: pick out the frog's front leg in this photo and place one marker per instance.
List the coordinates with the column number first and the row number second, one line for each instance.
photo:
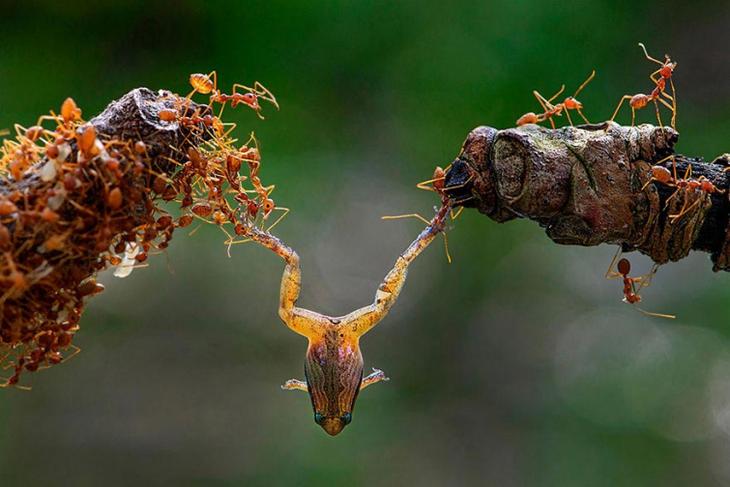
column 376, row 376
column 296, row 385
column 303, row 321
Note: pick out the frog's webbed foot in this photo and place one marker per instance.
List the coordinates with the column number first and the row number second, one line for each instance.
column 376, row 376
column 295, row 385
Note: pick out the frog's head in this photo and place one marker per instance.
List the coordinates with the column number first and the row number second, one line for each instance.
column 333, row 370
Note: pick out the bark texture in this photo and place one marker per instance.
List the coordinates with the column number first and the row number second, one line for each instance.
column 587, row 185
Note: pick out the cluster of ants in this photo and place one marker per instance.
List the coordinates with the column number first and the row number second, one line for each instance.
column 75, row 202
column 694, row 191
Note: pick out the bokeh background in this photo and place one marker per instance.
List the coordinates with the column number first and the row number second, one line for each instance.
column 515, row 365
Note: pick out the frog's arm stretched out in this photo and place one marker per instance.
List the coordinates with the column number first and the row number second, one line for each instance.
column 334, row 365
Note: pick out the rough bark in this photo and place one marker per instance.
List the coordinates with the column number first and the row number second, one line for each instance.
column 586, row 186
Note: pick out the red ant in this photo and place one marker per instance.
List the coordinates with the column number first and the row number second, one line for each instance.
column 195, row 119
column 208, row 84
column 659, row 78
column 550, row 110
column 437, row 184
column 15, row 378
column 687, row 183
column 631, row 291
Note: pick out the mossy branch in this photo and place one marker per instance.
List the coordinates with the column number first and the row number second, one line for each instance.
column 587, row 185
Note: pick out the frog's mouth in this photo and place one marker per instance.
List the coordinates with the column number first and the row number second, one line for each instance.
column 333, row 426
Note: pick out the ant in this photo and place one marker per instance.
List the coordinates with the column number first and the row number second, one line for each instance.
column 659, row 78
column 700, row 185
column 550, row 110
column 206, row 120
column 15, row 378
column 208, row 84
column 436, row 184
column 631, row 291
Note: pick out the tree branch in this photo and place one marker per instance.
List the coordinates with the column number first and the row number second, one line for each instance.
column 586, row 186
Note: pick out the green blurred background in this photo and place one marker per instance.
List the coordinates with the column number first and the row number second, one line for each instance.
column 515, row 365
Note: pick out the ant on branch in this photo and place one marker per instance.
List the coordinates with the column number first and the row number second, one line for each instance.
column 702, row 186
column 631, row 291
column 550, row 110
column 208, row 84
column 660, row 77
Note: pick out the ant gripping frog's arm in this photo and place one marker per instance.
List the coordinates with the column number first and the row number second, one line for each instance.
column 364, row 319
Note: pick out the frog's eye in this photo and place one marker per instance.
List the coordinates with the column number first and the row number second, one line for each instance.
column 318, row 418
column 347, row 418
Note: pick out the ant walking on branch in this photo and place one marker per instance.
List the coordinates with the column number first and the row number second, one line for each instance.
column 660, row 77
column 550, row 110
column 631, row 290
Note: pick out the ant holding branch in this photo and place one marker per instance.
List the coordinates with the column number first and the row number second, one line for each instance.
column 436, row 184
column 701, row 186
column 550, row 110
column 631, row 290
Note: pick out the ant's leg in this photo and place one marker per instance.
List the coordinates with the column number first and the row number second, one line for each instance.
column 643, row 48
column 285, row 211
column 656, row 315
column 686, row 210
column 541, row 100
column 295, row 385
column 376, row 376
column 427, row 185
column 458, row 212
column 666, row 203
column 674, row 104
column 580, row 112
column 583, row 85
column 667, row 96
column 74, row 351
column 633, row 116
column 648, row 183
column 610, row 273
column 559, row 92
column 618, row 107
column 670, row 107
column 681, row 212
column 647, row 278
column 408, row 215
column 546, row 107
column 567, row 114
column 421, row 218
column 265, row 94
column 547, row 104
column 658, row 115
